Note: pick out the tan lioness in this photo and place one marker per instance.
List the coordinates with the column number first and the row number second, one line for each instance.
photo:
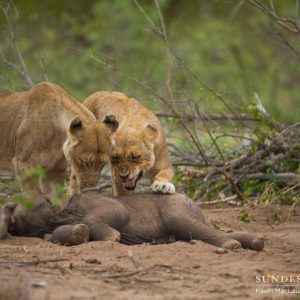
column 46, row 126
column 138, row 146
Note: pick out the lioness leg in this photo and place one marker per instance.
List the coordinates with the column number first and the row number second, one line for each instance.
column 118, row 188
column 27, row 181
column 161, row 179
column 74, row 188
column 52, row 178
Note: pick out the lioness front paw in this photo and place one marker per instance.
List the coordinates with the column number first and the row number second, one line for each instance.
column 163, row 187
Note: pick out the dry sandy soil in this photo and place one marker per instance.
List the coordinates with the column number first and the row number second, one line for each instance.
column 31, row 268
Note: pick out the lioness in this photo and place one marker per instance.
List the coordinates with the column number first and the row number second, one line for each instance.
column 138, row 146
column 46, row 126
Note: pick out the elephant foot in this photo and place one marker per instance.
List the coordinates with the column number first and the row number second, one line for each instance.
column 231, row 244
column 70, row 235
column 249, row 240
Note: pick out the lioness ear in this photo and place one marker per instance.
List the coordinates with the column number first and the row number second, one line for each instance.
column 111, row 122
column 151, row 131
column 75, row 124
column 152, row 126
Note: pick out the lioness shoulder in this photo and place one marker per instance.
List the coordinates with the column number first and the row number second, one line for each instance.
column 138, row 146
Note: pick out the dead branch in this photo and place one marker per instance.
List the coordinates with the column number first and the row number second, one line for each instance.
column 209, row 117
column 43, row 66
column 21, row 67
column 219, row 201
column 162, row 32
column 163, row 36
column 286, row 44
column 285, row 177
column 289, row 24
column 232, row 182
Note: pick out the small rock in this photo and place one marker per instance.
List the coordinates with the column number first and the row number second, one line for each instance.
column 196, row 266
column 92, row 261
column 221, row 251
column 193, row 242
column 38, row 284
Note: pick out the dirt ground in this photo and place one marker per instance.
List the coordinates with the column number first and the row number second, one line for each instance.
column 31, row 268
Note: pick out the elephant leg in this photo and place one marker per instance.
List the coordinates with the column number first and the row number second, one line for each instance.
column 5, row 217
column 69, row 235
column 102, row 232
column 248, row 240
column 185, row 228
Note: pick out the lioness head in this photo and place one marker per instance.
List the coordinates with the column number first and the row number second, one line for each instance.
column 87, row 148
column 132, row 153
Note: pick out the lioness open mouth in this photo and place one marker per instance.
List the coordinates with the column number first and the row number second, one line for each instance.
column 130, row 184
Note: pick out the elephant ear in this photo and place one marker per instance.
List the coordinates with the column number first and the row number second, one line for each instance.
column 111, row 123
column 151, row 131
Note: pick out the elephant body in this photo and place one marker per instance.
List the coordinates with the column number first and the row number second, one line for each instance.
column 134, row 219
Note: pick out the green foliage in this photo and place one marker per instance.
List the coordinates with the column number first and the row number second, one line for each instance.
column 185, row 183
column 291, row 162
column 93, row 45
column 59, row 194
column 216, row 226
column 24, row 199
column 295, row 204
column 252, row 187
column 272, row 194
column 244, row 217
column 233, row 56
column 2, row 200
column 33, row 174
column 9, row 186
column 277, row 218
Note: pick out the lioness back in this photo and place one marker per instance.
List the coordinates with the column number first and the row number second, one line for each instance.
column 46, row 126
column 129, row 112
column 138, row 145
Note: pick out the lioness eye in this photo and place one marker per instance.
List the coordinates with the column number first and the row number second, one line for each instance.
column 115, row 159
column 85, row 164
column 135, row 157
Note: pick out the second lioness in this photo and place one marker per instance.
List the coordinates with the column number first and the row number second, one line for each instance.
column 46, row 126
column 138, row 146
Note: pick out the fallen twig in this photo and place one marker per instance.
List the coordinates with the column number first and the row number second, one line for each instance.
column 33, row 262
column 277, row 176
column 218, row 201
column 129, row 274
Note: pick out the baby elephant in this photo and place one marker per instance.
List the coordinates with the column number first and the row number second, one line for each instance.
column 135, row 219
